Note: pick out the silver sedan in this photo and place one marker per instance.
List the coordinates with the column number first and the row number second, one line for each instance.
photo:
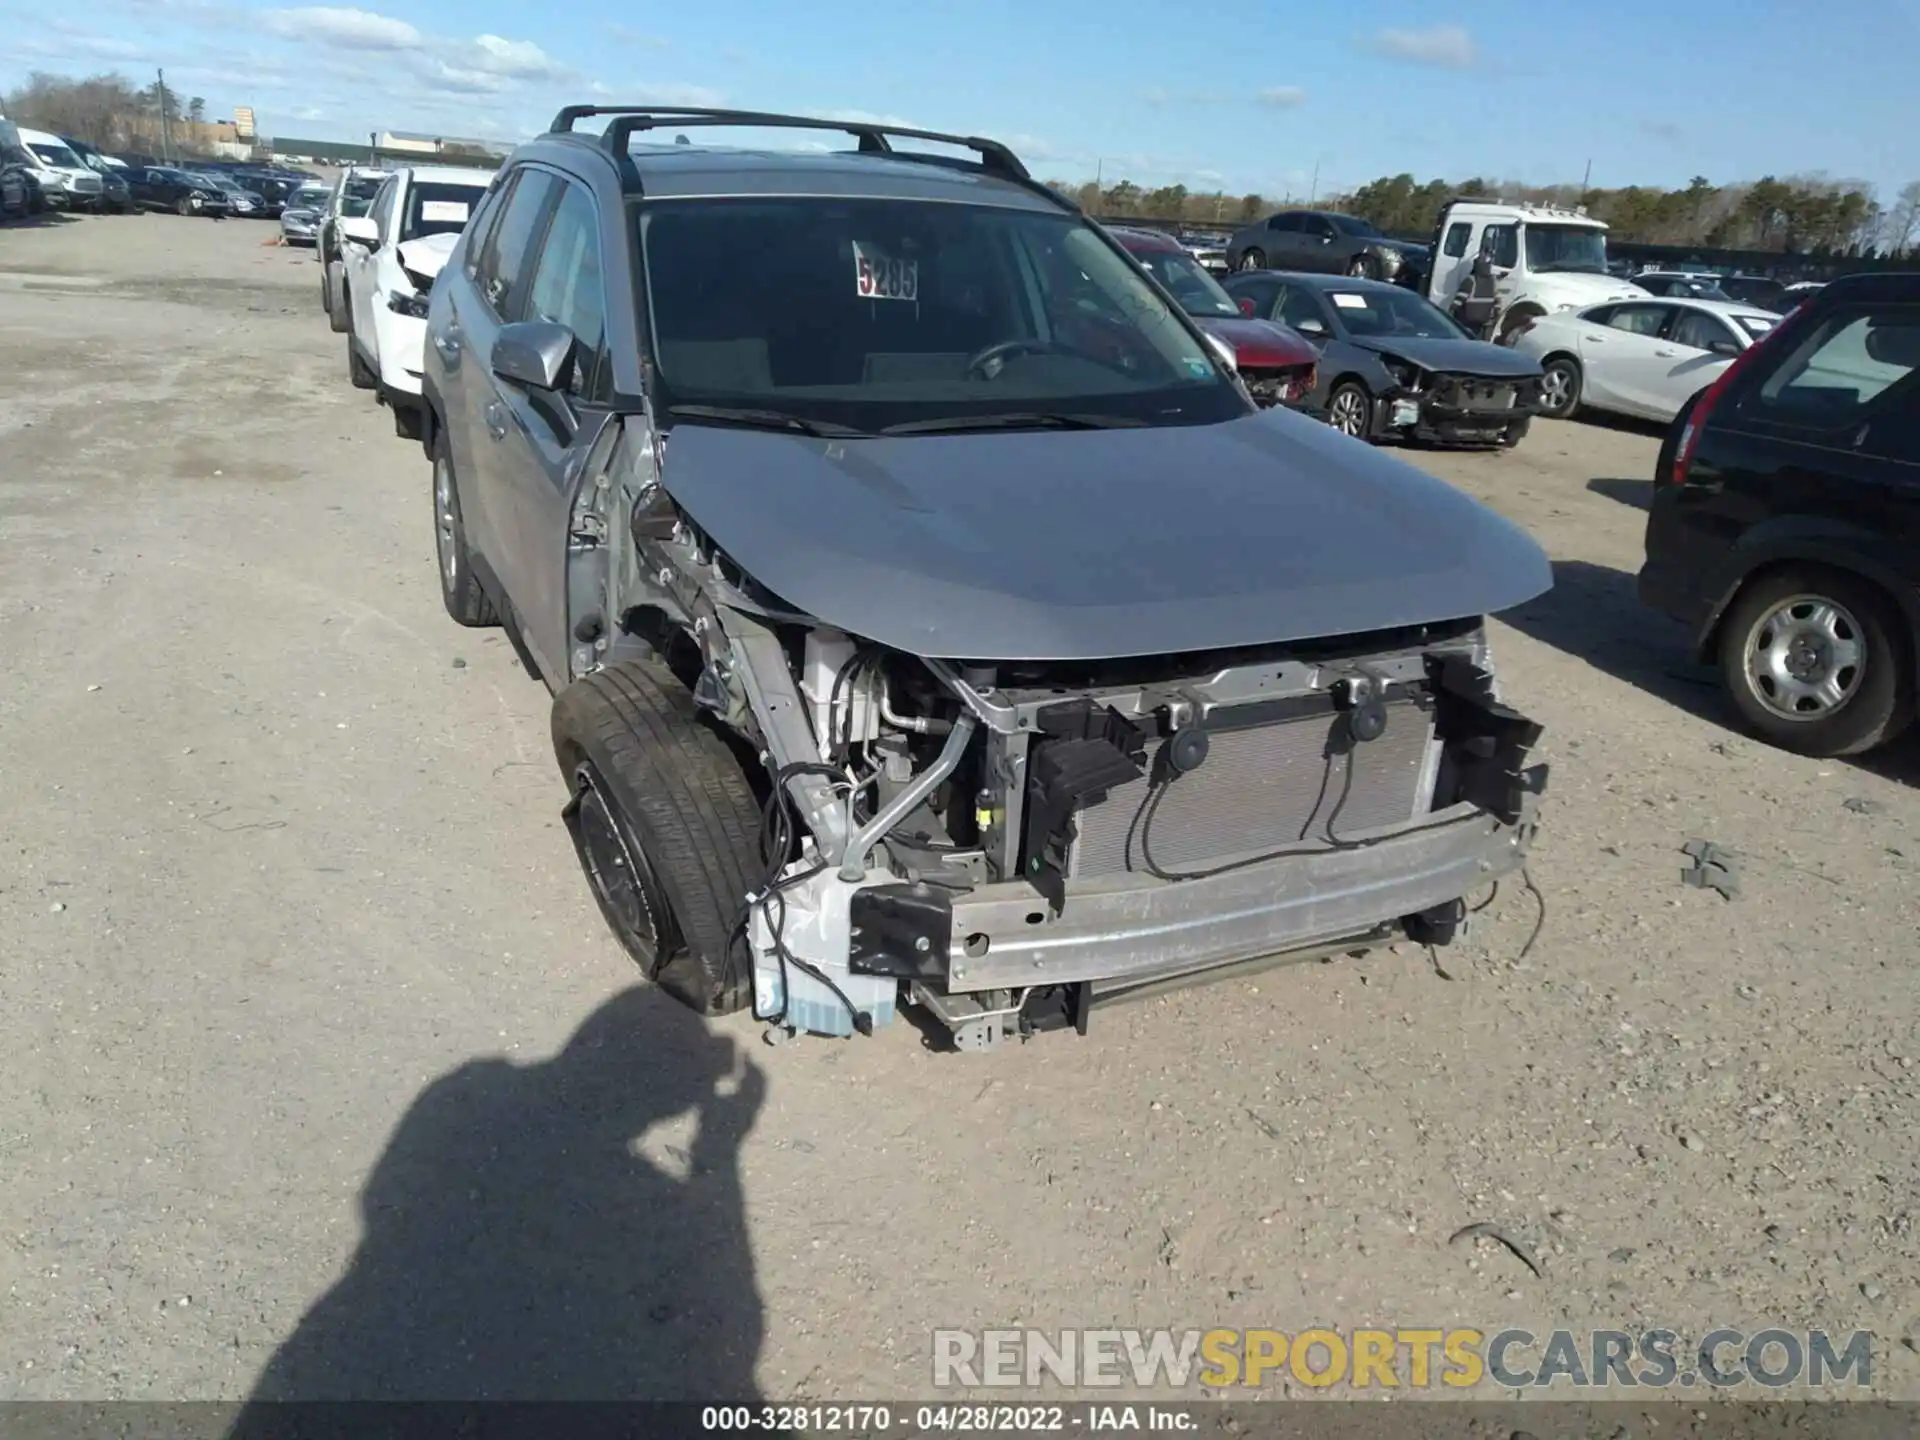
column 300, row 221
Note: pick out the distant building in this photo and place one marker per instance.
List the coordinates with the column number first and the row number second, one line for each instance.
column 406, row 142
column 391, row 147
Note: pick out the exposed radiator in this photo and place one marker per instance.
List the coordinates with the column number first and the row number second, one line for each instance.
column 1261, row 789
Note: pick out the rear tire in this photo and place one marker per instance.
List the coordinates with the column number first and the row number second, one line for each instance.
column 666, row 827
column 466, row 599
column 1561, row 387
column 1877, row 701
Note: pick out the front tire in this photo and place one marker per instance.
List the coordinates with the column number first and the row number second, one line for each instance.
column 666, row 827
column 1364, row 267
column 1818, row 662
column 1350, row 410
column 1560, row 386
column 1253, row 258
column 359, row 372
column 466, row 600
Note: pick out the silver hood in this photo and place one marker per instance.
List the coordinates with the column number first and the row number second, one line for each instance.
column 1083, row 545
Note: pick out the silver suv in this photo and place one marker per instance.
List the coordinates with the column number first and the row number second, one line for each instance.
column 930, row 615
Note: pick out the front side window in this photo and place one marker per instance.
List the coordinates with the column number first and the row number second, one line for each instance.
column 1284, row 222
column 507, row 248
column 1579, row 249
column 1188, row 282
column 1354, row 225
column 567, row 288
column 358, row 195
column 1699, row 330
column 1849, row 361
column 435, row 207
column 381, row 211
column 1301, row 309
column 1391, row 311
column 1502, row 243
column 877, row 312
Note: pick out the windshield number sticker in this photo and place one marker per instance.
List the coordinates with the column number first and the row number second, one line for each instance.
column 1349, row 302
column 444, row 212
column 881, row 277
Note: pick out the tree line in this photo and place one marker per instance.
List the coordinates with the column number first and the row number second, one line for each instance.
column 107, row 111
column 1798, row 214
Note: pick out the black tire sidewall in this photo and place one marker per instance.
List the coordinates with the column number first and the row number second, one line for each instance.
column 466, row 601
column 1878, row 710
column 677, row 792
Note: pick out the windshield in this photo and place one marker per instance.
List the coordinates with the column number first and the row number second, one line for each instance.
column 1392, row 311
column 56, row 155
column 1353, row 225
column 1579, row 248
column 1188, row 281
column 877, row 312
column 309, row 195
column 435, row 207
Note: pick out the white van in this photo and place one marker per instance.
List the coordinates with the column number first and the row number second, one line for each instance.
column 66, row 181
column 1544, row 260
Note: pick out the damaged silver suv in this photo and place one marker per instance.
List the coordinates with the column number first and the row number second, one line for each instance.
column 931, row 617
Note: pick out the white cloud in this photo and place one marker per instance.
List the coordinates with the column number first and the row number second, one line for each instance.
column 1449, row 47
column 460, row 79
column 868, row 117
column 516, row 59
column 345, row 28
column 1283, row 97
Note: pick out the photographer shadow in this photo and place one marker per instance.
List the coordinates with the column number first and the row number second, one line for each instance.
column 518, row 1245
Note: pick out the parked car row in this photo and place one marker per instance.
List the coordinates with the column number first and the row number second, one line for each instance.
column 381, row 238
column 42, row 171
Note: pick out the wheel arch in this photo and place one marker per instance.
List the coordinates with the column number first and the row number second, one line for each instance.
column 1839, row 550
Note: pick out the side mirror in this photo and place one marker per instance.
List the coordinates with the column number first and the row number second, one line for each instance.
column 359, row 230
column 534, row 354
column 1724, row 347
column 1246, row 306
column 1226, row 354
column 1312, row 329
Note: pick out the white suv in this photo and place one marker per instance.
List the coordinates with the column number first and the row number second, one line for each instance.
column 1544, row 260
column 352, row 193
column 389, row 258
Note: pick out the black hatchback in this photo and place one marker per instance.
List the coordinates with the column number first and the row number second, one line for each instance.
column 1785, row 523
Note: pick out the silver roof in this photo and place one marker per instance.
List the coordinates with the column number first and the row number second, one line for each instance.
column 686, row 170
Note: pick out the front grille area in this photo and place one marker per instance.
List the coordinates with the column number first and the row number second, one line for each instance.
column 1261, row 789
column 1465, row 393
column 87, row 184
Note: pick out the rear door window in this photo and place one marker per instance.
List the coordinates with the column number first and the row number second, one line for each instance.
column 1639, row 319
column 1856, row 363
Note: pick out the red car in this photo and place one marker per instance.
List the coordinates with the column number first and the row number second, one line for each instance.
column 1277, row 364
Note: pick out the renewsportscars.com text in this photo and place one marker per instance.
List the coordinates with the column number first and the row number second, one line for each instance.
column 1400, row 1358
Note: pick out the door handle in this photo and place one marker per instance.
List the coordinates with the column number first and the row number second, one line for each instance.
column 1666, row 353
column 497, row 420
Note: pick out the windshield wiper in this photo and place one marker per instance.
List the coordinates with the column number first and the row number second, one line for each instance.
column 953, row 424
column 764, row 420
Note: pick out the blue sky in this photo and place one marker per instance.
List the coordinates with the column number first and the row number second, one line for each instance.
column 1256, row 100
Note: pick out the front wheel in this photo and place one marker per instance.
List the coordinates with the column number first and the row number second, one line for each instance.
column 1818, row 662
column 666, row 826
column 1253, row 258
column 1350, row 410
column 1560, row 386
column 1364, row 267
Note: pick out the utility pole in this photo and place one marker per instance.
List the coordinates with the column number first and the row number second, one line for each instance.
column 1314, row 194
column 1585, row 178
column 373, row 146
column 166, row 131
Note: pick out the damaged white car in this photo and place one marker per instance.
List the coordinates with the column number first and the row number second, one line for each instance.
column 931, row 618
column 390, row 257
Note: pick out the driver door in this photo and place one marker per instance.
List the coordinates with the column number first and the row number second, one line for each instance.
column 1692, row 361
column 1316, row 248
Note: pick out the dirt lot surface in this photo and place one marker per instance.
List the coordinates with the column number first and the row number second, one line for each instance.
column 305, row 1007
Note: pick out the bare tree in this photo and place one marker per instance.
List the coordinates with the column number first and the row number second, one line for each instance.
column 1900, row 231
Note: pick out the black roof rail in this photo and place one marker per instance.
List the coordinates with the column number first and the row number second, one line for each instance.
column 872, row 137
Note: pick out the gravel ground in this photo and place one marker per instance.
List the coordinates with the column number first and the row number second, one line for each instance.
column 305, row 1005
